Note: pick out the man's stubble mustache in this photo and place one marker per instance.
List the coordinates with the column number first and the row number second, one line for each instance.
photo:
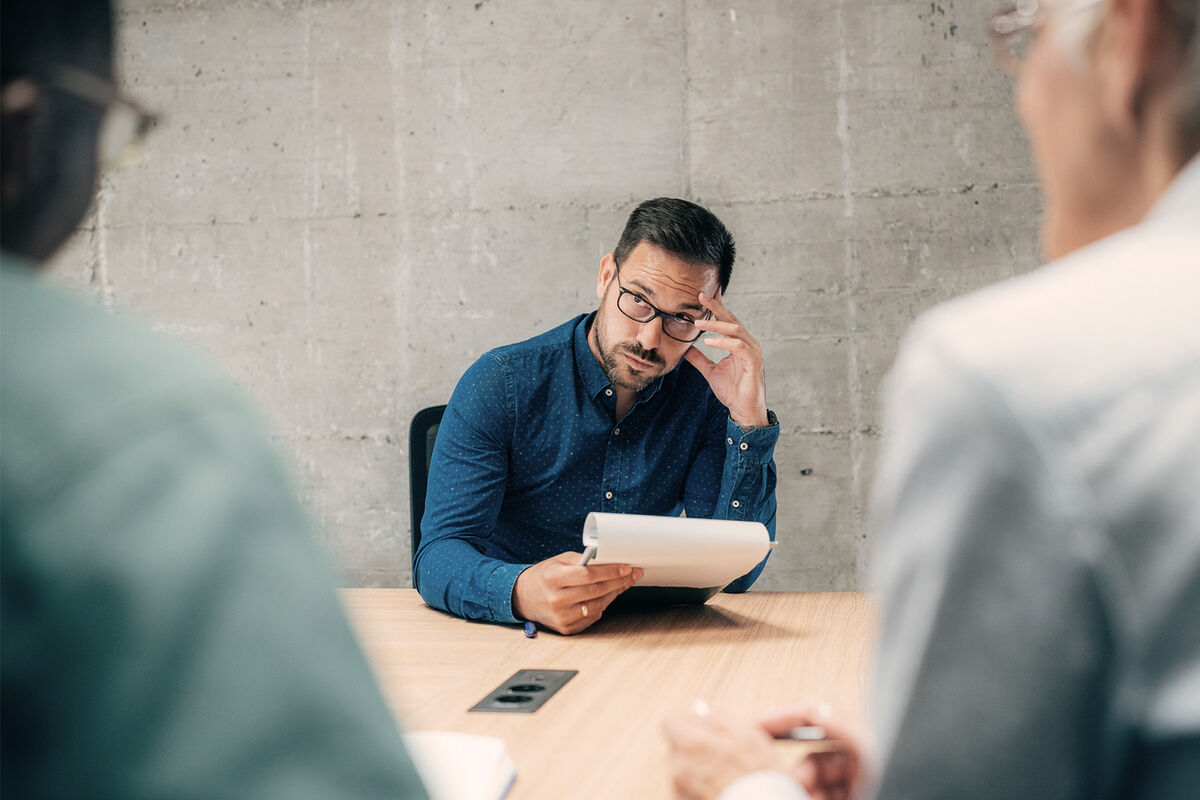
column 637, row 351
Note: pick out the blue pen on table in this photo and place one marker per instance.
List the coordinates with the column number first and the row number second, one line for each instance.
column 530, row 629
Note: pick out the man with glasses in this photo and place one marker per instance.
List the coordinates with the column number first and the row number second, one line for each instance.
column 1037, row 507
column 612, row 411
column 170, row 628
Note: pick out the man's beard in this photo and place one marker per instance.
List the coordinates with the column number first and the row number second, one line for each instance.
column 615, row 369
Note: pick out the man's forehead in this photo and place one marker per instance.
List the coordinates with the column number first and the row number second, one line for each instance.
column 662, row 274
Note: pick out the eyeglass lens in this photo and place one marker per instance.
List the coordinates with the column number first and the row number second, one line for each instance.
column 121, row 133
column 640, row 311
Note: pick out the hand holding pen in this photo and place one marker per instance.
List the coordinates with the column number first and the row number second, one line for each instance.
column 833, row 772
column 589, row 553
column 567, row 594
column 709, row 751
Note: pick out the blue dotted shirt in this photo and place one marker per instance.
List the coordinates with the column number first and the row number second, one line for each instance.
column 530, row 444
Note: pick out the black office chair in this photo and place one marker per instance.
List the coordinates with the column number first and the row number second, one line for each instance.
column 421, row 436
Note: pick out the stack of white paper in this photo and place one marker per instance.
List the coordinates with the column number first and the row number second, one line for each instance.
column 461, row 766
column 678, row 551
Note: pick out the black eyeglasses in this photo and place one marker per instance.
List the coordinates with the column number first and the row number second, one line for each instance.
column 125, row 124
column 679, row 327
column 1012, row 30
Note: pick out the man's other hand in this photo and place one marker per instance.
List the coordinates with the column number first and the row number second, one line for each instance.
column 565, row 597
column 738, row 380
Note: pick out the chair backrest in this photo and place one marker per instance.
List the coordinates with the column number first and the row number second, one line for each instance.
column 421, row 435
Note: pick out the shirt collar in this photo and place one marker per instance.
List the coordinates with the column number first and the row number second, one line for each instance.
column 589, row 370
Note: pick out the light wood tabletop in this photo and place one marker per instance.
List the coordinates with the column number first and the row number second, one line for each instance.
column 601, row 735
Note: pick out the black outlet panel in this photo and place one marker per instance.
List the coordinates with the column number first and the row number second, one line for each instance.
column 526, row 691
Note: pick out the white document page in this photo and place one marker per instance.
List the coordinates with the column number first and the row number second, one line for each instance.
column 461, row 766
column 678, row 551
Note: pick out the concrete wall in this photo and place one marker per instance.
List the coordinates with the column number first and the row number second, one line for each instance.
column 349, row 201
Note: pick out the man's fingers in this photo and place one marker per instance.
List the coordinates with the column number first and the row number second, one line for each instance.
column 593, row 573
column 718, row 309
column 575, row 575
column 596, row 607
column 569, row 618
column 593, row 592
column 733, row 329
column 724, row 343
column 700, row 361
column 741, row 344
column 601, row 603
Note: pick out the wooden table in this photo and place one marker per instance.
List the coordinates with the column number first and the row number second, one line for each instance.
column 601, row 735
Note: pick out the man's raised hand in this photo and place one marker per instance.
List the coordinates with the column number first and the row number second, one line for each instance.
column 738, row 380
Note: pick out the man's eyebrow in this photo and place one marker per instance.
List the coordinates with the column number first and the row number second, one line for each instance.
column 649, row 295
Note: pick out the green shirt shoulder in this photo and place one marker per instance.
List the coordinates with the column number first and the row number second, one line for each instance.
column 169, row 623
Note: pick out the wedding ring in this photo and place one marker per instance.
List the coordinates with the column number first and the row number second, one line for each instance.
column 583, row 608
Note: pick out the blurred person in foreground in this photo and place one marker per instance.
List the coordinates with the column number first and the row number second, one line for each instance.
column 1038, row 501
column 169, row 626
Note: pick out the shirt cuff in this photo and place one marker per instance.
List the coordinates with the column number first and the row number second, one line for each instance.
column 764, row 785
column 756, row 445
column 500, row 591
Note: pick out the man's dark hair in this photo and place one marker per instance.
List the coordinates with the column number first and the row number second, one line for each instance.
column 687, row 231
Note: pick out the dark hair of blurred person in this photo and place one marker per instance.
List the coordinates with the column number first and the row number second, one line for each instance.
column 169, row 626
column 49, row 133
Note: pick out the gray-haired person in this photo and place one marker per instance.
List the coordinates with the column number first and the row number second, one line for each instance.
column 1037, row 506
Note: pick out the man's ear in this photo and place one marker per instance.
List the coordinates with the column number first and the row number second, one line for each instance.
column 1128, row 49
column 608, row 268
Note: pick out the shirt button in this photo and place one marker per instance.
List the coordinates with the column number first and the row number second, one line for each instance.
column 608, row 496
column 737, row 503
column 608, row 392
column 616, row 431
column 729, row 441
column 745, row 446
